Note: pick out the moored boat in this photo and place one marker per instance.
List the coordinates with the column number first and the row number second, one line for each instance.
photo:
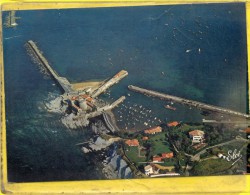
column 170, row 107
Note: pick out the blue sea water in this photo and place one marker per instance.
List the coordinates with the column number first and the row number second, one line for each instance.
column 192, row 51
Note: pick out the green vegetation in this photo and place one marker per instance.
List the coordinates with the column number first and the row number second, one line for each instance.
column 211, row 167
column 155, row 145
column 158, row 144
column 168, row 162
column 185, row 128
column 236, row 145
column 178, row 136
column 206, row 155
column 132, row 154
column 219, row 133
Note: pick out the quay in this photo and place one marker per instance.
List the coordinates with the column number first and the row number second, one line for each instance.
column 186, row 101
column 108, row 122
column 115, row 79
column 109, row 119
column 62, row 81
column 242, row 122
column 101, row 110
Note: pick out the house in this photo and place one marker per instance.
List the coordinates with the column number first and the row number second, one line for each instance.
column 220, row 155
column 133, row 142
column 144, row 138
column 87, row 98
column 173, row 124
column 247, row 130
column 74, row 98
column 156, row 159
column 167, row 155
column 153, row 130
column 197, row 136
column 148, row 170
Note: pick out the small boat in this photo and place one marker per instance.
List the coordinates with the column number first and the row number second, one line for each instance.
column 170, row 107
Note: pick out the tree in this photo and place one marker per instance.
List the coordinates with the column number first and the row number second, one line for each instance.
column 215, row 151
column 141, row 168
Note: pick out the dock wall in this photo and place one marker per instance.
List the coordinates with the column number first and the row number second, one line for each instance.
column 108, row 121
column 100, row 111
column 62, row 81
column 110, row 82
column 186, row 101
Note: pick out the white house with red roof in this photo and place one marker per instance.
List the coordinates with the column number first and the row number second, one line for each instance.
column 197, row 136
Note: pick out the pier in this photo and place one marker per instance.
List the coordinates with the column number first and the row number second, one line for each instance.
column 10, row 20
column 65, row 84
column 115, row 79
column 101, row 110
column 110, row 121
column 186, row 101
column 84, row 95
column 62, row 81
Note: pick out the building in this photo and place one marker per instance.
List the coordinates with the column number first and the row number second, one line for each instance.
column 197, row 136
column 153, row 130
column 167, row 155
column 148, row 170
column 247, row 130
column 173, row 124
column 133, row 142
column 87, row 98
column 157, row 159
column 144, row 138
column 220, row 155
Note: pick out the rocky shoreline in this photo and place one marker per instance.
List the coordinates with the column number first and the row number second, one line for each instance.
column 103, row 143
column 116, row 168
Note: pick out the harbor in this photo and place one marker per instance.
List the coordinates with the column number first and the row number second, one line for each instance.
column 67, row 118
column 188, row 102
column 80, row 103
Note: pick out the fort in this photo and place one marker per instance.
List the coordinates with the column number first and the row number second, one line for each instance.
column 81, row 98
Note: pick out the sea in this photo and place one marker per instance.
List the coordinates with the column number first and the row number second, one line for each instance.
column 195, row 51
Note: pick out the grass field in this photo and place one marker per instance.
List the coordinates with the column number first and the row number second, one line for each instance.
column 160, row 145
column 185, row 127
column 210, row 167
column 132, row 154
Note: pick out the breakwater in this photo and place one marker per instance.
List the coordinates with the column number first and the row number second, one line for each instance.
column 62, row 81
column 186, row 101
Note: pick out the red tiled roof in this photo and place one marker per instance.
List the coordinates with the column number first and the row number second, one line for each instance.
column 247, row 130
column 196, row 133
column 133, row 142
column 87, row 97
column 157, row 158
column 74, row 98
column 153, row 130
column 145, row 138
column 173, row 124
column 167, row 155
